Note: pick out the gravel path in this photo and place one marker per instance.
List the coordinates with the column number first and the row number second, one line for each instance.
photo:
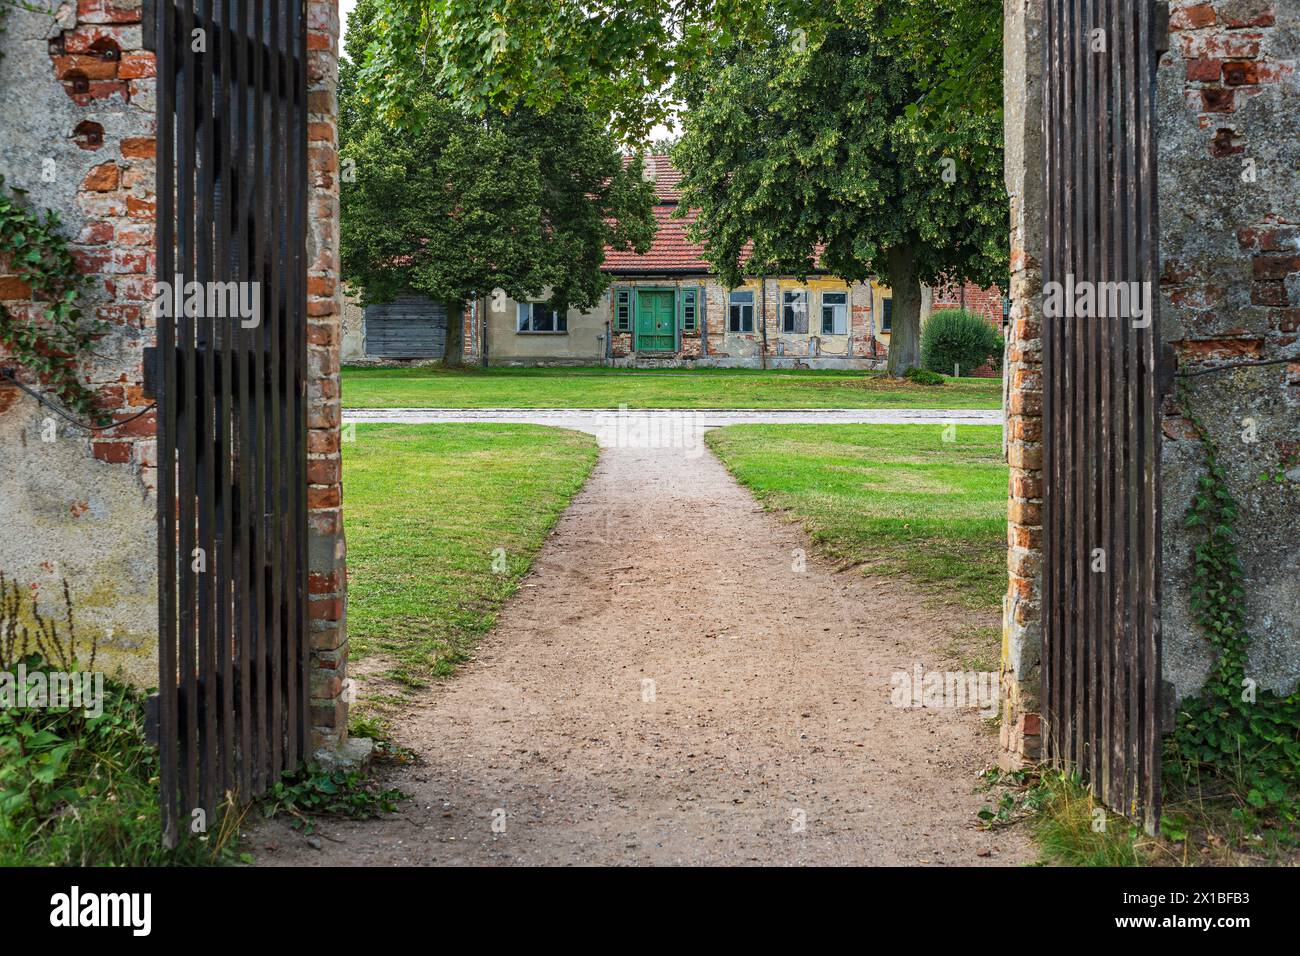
column 667, row 688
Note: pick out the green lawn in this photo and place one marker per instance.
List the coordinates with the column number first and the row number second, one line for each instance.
column 432, row 387
column 426, row 508
column 895, row 497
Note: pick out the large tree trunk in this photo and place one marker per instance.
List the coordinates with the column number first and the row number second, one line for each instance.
column 453, row 357
column 905, row 334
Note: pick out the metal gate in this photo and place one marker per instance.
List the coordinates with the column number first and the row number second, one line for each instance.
column 1101, row 676
column 232, row 706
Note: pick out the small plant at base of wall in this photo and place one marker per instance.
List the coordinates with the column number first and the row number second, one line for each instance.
column 33, row 249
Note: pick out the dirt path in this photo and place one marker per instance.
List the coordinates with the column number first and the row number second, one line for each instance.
column 770, row 705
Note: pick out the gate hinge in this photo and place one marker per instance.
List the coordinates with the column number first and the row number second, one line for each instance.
column 1161, row 27
column 150, row 368
column 151, row 720
column 148, row 29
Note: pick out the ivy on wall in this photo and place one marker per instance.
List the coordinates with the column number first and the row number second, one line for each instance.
column 1241, row 732
column 34, row 249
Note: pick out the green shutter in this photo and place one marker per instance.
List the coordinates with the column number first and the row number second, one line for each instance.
column 623, row 300
column 690, row 309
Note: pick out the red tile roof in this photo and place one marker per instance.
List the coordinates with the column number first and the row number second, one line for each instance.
column 670, row 251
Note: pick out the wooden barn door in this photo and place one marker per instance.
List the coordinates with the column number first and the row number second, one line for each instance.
column 233, row 705
column 1101, row 676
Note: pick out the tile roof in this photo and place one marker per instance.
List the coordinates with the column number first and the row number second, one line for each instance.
column 670, row 251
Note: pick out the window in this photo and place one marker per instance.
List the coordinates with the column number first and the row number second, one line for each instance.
column 540, row 317
column 622, row 310
column 690, row 309
column 740, row 312
column 887, row 314
column 835, row 313
column 794, row 311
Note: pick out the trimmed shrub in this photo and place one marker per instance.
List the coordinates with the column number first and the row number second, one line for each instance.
column 923, row 376
column 956, row 337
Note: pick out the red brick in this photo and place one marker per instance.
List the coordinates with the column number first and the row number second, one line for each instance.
column 139, row 147
column 95, row 234
column 87, row 65
column 135, row 66
column 1204, row 71
column 327, row 609
column 322, row 441
column 146, row 426
column 12, row 287
column 101, row 178
column 1192, row 18
column 323, row 471
column 139, row 208
column 116, row 452
column 318, row 583
column 1268, row 293
column 325, row 496
column 1199, row 350
column 1238, row 74
column 1217, row 100
column 1275, row 267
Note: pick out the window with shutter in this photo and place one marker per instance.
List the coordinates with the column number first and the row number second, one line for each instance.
column 690, row 310
column 622, row 310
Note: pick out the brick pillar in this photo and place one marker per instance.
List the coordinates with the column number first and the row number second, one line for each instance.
column 327, row 575
column 1021, row 627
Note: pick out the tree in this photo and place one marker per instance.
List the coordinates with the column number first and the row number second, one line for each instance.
column 623, row 59
column 457, row 205
column 820, row 151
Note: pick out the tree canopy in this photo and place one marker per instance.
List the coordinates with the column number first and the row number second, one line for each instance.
column 623, row 59
column 806, row 152
column 461, row 205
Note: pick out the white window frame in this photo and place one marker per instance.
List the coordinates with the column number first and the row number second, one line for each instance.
column 742, row 306
column 524, row 320
column 795, row 300
column 840, row 318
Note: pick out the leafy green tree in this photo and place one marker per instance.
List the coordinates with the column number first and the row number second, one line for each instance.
column 809, row 151
column 623, row 59
column 457, row 205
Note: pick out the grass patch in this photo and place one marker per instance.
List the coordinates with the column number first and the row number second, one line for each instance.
column 897, row 498
column 430, row 510
column 432, row 387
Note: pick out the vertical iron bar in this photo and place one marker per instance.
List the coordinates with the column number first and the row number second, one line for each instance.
column 165, row 331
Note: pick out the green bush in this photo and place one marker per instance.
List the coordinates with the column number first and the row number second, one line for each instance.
column 956, row 337
column 923, row 376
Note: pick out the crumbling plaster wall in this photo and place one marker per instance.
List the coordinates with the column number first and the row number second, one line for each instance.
column 76, row 133
column 1229, row 168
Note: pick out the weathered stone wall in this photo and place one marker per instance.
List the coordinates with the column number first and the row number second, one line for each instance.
column 327, row 552
column 1229, row 170
column 1022, row 607
column 76, row 132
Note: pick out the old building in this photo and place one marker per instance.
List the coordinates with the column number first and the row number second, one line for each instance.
column 665, row 307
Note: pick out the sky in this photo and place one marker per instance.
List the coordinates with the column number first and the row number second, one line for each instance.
column 345, row 7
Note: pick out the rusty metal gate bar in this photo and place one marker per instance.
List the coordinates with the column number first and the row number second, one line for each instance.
column 233, row 704
column 1101, row 676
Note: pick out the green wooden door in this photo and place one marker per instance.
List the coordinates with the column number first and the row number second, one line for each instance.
column 656, row 322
